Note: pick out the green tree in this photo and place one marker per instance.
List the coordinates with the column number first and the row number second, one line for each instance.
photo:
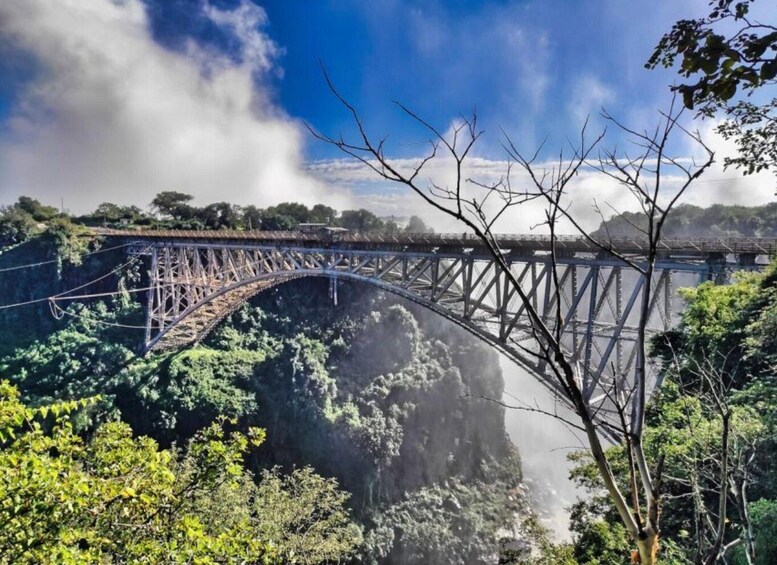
column 16, row 225
column 692, row 439
column 83, row 359
column 111, row 213
column 70, row 240
column 294, row 210
column 323, row 214
column 273, row 221
column 108, row 212
column 693, row 221
column 219, row 215
column 115, row 498
column 360, row 220
column 251, row 217
column 172, row 204
column 119, row 498
column 719, row 65
column 417, row 225
column 38, row 211
column 304, row 515
column 764, row 516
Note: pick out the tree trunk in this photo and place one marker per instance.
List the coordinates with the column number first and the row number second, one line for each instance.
column 647, row 547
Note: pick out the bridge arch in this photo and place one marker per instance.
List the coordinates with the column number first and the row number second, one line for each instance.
column 195, row 284
column 196, row 330
column 585, row 294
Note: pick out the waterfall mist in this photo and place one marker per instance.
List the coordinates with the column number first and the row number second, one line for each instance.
column 543, row 443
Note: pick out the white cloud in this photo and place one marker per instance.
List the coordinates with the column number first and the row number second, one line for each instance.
column 529, row 53
column 588, row 190
column 589, row 95
column 257, row 51
column 388, row 198
column 719, row 186
column 114, row 116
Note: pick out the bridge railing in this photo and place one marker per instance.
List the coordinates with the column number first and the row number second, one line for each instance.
column 764, row 246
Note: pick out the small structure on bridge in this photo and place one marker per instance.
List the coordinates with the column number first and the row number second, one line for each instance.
column 312, row 227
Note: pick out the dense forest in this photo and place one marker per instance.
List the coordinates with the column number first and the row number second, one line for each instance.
column 294, row 434
column 687, row 220
column 173, row 210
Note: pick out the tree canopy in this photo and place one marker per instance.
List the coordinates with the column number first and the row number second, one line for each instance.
column 121, row 498
column 172, row 203
column 722, row 55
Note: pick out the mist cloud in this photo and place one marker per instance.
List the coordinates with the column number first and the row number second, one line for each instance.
column 591, row 194
column 113, row 116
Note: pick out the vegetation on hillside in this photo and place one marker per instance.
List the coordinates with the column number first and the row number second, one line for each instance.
column 173, row 210
column 687, row 220
column 118, row 498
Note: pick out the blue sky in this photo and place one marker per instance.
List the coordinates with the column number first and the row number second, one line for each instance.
column 103, row 100
column 535, row 67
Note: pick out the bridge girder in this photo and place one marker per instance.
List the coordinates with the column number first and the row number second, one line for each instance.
column 195, row 285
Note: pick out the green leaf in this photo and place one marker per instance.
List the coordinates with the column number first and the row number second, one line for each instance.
column 769, row 70
column 128, row 492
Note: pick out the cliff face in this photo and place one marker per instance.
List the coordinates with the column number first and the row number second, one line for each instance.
column 374, row 391
column 52, row 274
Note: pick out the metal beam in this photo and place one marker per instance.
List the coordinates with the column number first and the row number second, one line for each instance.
column 194, row 284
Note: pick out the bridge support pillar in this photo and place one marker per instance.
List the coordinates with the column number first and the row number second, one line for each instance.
column 716, row 268
column 333, row 289
column 746, row 260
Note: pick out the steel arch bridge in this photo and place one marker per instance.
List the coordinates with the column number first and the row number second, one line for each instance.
column 197, row 278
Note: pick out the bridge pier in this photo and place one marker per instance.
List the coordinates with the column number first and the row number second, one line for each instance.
column 716, row 268
column 747, row 260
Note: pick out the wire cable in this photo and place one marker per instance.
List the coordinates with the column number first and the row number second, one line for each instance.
column 58, row 312
column 57, row 297
column 28, row 266
column 105, row 276
column 18, row 304
column 62, row 294
column 48, row 262
column 111, row 293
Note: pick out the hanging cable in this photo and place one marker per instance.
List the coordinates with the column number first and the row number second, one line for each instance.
column 58, row 312
column 18, row 304
column 84, row 296
column 62, row 294
column 105, row 276
column 111, row 293
column 28, row 266
column 50, row 261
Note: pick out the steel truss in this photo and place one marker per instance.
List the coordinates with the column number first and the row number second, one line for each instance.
column 195, row 285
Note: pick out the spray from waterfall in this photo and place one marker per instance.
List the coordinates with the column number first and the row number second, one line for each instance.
column 543, row 443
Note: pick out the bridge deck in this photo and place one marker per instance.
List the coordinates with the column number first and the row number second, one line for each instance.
column 697, row 246
column 588, row 297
